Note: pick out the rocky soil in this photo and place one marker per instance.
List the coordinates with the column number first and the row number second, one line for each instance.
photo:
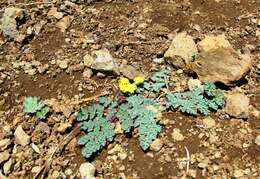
column 68, row 53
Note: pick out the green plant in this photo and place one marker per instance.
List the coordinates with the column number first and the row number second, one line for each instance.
column 138, row 113
column 94, row 121
column 33, row 105
column 157, row 82
column 197, row 100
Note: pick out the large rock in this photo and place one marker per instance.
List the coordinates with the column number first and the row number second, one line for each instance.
column 87, row 170
column 221, row 65
column 101, row 60
column 237, row 105
column 181, row 51
column 219, row 62
column 9, row 23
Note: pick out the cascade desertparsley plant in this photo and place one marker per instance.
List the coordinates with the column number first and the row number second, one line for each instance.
column 137, row 111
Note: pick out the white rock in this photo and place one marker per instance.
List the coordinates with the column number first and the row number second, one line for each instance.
column 181, row 51
column 257, row 140
column 176, row 135
column 237, row 105
column 87, row 170
column 156, row 145
column 21, row 137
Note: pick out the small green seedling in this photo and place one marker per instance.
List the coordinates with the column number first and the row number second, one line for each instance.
column 33, row 105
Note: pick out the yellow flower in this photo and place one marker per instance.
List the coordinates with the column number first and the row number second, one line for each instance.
column 138, row 80
column 124, row 81
column 131, row 88
column 126, row 87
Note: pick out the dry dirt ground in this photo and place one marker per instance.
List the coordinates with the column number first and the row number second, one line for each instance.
column 135, row 32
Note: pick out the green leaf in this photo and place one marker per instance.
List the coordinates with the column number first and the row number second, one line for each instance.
column 43, row 112
column 125, row 118
column 32, row 104
column 98, row 130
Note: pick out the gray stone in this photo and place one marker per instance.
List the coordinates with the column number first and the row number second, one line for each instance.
column 21, row 137
column 181, row 51
column 9, row 23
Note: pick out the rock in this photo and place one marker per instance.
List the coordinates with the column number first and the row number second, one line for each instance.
column 238, row 173
column 87, row 170
column 21, row 137
column 4, row 143
column 129, row 71
column 55, row 174
column 101, row 60
column 88, row 60
column 221, row 65
column 208, row 122
column 63, row 127
column 35, row 148
column 36, row 169
column 63, row 64
column 10, row 20
column 64, row 23
column 181, row 51
column 54, row 13
column 38, row 27
column 158, row 60
column 176, row 135
column 237, row 105
column 194, row 83
column 156, row 145
column 4, row 156
column 87, row 73
column 257, row 140
column 7, row 166
column 213, row 42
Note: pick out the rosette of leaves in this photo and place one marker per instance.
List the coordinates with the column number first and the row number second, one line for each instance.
column 33, row 105
column 158, row 81
column 137, row 113
column 198, row 100
column 95, row 122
